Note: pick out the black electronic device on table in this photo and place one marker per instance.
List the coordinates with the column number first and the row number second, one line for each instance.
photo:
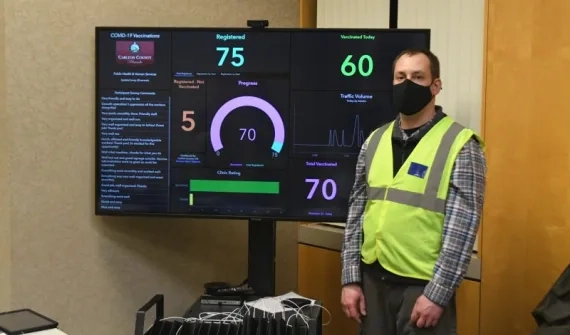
column 238, row 122
column 24, row 321
column 221, row 293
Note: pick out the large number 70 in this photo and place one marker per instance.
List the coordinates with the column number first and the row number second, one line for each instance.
column 327, row 183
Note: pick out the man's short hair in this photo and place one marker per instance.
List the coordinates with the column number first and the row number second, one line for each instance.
column 433, row 60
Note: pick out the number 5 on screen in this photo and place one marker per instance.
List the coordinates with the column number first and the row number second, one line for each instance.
column 188, row 122
column 237, row 56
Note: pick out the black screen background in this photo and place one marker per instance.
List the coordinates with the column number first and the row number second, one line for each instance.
column 314, row 57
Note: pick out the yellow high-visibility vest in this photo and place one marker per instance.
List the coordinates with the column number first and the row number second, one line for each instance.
column 404, row 215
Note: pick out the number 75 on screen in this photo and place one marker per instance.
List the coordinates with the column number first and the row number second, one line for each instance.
column 237, row 56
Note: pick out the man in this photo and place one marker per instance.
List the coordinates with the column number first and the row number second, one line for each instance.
column 414, row 211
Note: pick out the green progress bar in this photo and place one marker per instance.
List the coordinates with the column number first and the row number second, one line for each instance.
column 234, row 186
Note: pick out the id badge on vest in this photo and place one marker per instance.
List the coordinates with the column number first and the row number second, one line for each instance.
column 417, row 170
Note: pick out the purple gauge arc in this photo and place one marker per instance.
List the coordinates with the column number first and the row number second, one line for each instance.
column 247, row 101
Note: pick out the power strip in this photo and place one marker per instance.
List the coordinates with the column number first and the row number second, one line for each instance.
column 221, row 300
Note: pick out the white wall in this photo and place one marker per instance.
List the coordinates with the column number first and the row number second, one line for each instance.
column 353, row 13
column 457, row 34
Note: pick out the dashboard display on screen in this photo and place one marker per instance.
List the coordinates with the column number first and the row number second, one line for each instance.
column 240, row 123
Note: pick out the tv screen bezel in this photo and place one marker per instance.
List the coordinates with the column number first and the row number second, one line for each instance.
column 100, row 29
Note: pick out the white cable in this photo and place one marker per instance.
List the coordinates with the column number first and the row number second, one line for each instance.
column 296, row 315
column 179, row 329
column 237, row 315
column 247, row 307
column 296, row 311
column 232, row 317
column 322, row 308
column 265, row 309
column 209, row 315
column 304, row 317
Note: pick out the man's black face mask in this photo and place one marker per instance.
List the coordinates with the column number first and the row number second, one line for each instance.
column 410, row 98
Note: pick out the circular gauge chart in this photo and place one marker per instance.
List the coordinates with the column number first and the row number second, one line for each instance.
column 247, row 145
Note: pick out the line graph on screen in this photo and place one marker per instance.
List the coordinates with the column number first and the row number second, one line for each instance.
column 331, row 136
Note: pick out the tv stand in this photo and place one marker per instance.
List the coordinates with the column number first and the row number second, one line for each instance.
column 262, row 237
column 261, row 251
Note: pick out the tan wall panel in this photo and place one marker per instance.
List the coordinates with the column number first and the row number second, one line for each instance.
column 308, row 13
column 5, row 245
column 319, row 278
column 92, row 273
column 526, row 223
column 468, row 310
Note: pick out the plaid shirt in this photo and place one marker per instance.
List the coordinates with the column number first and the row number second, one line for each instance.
column 464, row 205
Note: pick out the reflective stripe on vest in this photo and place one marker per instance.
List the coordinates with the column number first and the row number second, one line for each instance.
column 428, row 200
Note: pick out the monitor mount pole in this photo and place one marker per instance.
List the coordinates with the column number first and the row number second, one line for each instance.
column 262, row 241
column 262, row 237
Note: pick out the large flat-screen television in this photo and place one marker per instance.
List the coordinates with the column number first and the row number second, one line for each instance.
column 238, row 123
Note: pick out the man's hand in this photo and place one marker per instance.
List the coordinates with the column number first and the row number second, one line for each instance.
column 352, row 301
column 425, row 313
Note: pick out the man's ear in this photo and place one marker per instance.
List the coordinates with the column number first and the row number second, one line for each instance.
column 436, row 87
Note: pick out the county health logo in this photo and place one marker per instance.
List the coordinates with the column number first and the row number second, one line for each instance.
column 135, row 53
